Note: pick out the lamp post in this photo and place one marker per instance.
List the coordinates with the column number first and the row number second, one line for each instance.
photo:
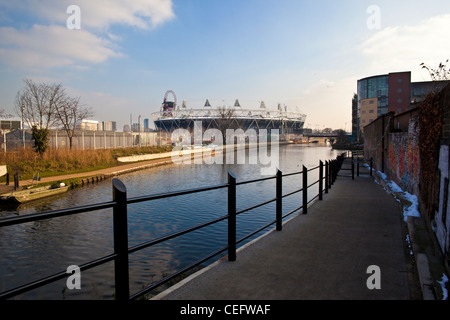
column 23, row 127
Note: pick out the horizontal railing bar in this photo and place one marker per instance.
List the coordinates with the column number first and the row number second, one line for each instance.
column 54, row 214
column 255, row 232
column 256, row 180
column 317, row 196
column 57, row 276
column 312, row 169
column 292, row 174
column 293, row 192
column 256, row 206
column 174, row 275
column 173, row 235
column 313, row 183
column 174, row 194
column 291, row 212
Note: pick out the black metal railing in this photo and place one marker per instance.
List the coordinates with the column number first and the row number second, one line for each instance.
column 357, row 157
column 328, row 172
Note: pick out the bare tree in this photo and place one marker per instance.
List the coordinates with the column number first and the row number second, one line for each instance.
column 46, row 105
column 4, row 115
column 225, row 120
column 38, row 103
column 70, row 112
column 441, row 73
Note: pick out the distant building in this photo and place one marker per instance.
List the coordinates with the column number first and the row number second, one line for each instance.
column 135, row 127
column 126, row 128
column 419, row 90
column 355, row 122
column 399, row 92
column 393, row 92
column 10, row 124
column 368, row 111
column 89, row 125
column 109, row 126
column 146, row 125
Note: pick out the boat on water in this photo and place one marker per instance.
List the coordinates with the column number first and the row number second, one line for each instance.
column 23, row 196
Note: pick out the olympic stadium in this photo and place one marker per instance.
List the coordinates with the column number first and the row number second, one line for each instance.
column 172, row 116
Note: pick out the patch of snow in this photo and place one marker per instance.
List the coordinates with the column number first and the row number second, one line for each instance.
column 413, row 209
column 444, row 289
column 409, row 245
column 394, row 187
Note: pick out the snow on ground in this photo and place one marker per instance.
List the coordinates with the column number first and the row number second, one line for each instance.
column 413, row 209
column 443, row 283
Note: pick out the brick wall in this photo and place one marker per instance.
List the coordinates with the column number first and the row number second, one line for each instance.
column 445, row 101
column 403, row 157
column 376, row 140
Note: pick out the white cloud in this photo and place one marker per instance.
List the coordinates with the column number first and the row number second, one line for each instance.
column 101, row 14
column 404, row 48
column 52, row 46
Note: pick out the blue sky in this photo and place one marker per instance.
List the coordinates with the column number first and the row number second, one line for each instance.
column 306, row 55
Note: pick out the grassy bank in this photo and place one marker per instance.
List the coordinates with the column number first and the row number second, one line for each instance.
column 57, row 162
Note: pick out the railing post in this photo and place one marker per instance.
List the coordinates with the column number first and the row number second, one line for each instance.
column 353, row 169
column 305, row 190
column 279, row 214
column 231, row 217
column 326, row 177
column 16, row 181
column 357, row 167
column 120, row 225
column 321, row 180
column 371, row 166
column 333, row 168
column 329, row 175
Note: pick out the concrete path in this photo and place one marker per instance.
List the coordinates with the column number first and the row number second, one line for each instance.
column 323, row 255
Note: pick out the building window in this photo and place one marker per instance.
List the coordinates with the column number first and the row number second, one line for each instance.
column 399, row 101
column 399, row 90
column 419, row 91
column 372, row 102
column 399, row 80
column 371, row 111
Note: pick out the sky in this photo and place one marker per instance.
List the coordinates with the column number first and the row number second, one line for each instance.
column 124, row 55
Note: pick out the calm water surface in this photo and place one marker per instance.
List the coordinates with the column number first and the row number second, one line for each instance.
column 35, row 250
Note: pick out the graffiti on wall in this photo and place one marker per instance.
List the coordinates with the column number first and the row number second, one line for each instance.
column 403, row 160
column 441, row 222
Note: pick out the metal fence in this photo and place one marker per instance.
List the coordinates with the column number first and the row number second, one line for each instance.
column 16, row 139
column 328, row 172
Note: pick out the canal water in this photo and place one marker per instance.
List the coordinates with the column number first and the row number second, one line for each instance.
column 34, row 250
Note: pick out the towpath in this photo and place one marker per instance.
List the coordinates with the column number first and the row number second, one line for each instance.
column 347, row 245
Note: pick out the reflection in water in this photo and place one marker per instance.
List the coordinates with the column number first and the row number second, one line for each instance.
column 34, row 250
